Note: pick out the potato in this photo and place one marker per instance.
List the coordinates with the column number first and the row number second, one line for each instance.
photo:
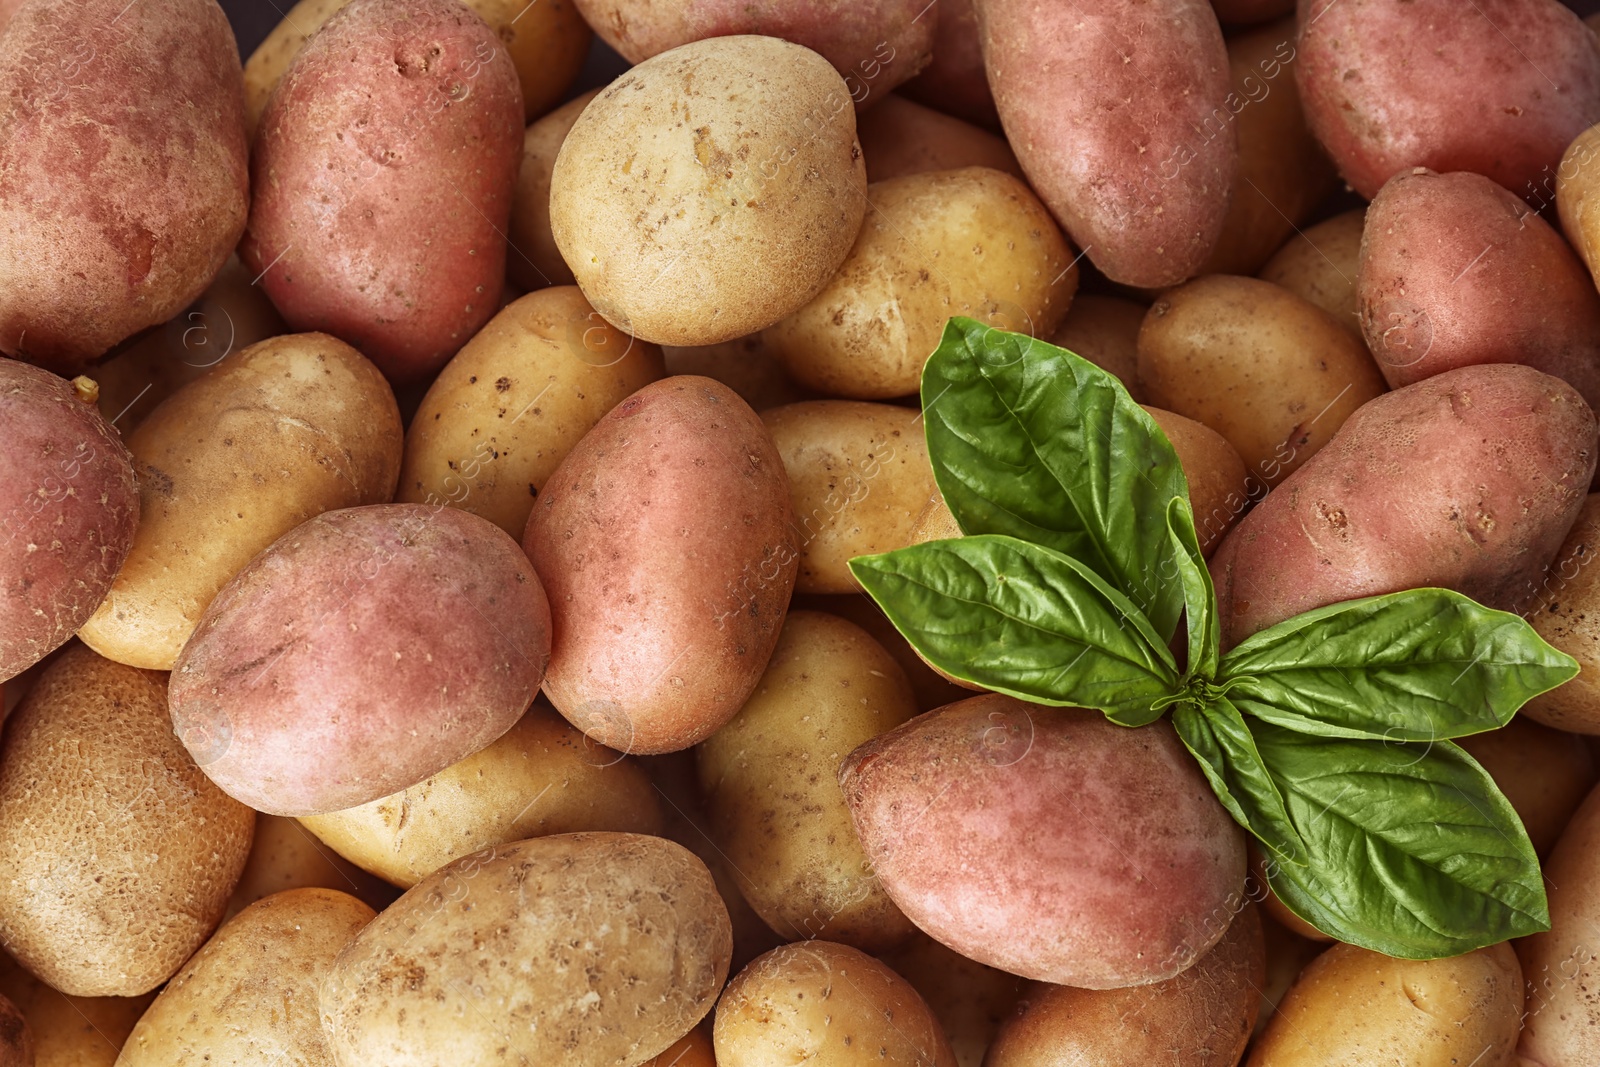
column 825, row 1005
column 546, row 42
column 1287, row 955
column 286, row 429
column 285, row 855
column 743, row 365
column 1456, row 271
column 229, row 316
column 1199, row 1018
column 1321, row 264
column 534, row 261
column 67, row 487
column 899, row 138
column 540, row 777
column 859, row 478
column 770, row 781
column 1283, row 173
column 935, row 803
column 969, row 1000
column 1220, row 488
column 691, row 232
column 1561, row 1019
column 955, row 82
column 930, row 689
column 666, row 544
column 70, row 1031
column 1570, row 186
column 1105, row 331
column 1543, row 772
column 362, row 652
column 1119, row 116
column 1352, row 1006
column 250, row 995
column 511, row 404
column 383, row 180
column 1496, row 461
column 578, row 949
column 1564, row 609
column 873, row 44
column 694, row 1049
column 1275, row 909
column 123, row 171
column 1383, row 98
column 971, row 242
column 1267, row 370
column 117, row 857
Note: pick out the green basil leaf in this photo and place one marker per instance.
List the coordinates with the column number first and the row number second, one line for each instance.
column 1199, row 598
column 1023, row 620
column 1033, row 442
column 1411, row 849
column 1221, row 741
column 1422, row 665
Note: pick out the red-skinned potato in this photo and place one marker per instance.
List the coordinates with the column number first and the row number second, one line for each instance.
column 1119, row 117
column 69, row 505
column 665, row 542
column 1561, row 1019
column 1048, row 842
column 873, row 44
column 1500, row 88
column 123, row 171
column 365, row 650
column 383, row 173
column 1497, row 460
column 1456, row 271
column 954, row 81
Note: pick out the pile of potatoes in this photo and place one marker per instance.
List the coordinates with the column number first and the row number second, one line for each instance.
column 429, row 480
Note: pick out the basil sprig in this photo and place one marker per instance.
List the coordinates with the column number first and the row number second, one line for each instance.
column 1325, row 736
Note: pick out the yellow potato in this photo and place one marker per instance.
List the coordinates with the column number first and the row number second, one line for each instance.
column 1269, row 371
column 285, row 855
column 1355, row 1008
column 286, row 429
column 70, row 1031
column 743, row 365
column 1320, row 264
column 1544, row 773
column 1105, row 331
column 932, row 691
column 533, row 260
column 541, row 777
column 546, row 40
column 859, row 479
column 692, row 1050
column 250, row 995
column 972, row 242
column 1287, row 955
column 899, row 137
column 512, row 403
column 1565, row 610
column 770, row 779
column 1575, row 180
column 1561, row 1024
column 825, row 1005
column 969, row 1000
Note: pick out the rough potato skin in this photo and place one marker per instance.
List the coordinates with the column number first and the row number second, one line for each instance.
column 250, row 994
column 1048, row 842
column 1456, row 271
column 665, row 542
column 1201, row 1018
column 696, row 231
column 873, row 44
column 578, row 949
column 69, row 506
column 1561, row 967
column 1496, row 460
column 1118, row 113
column 825, row 1005
column 123, row 170
column 363, row 651
column 383, row 172
column 1499, row 88
column 117, row 856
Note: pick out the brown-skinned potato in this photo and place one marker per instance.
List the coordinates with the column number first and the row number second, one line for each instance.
column 533, row 261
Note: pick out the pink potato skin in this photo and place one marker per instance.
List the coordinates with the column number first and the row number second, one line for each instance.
column 1457, row 271
column 1495, row 461
column 1048, row 842
column 1497, row 87
column 666, row 543
column 1118, row 113
column 955, row 81
column 124, row 177
column 383, row 174
column 873, row 44
column 365, row 650
column 69, row 504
